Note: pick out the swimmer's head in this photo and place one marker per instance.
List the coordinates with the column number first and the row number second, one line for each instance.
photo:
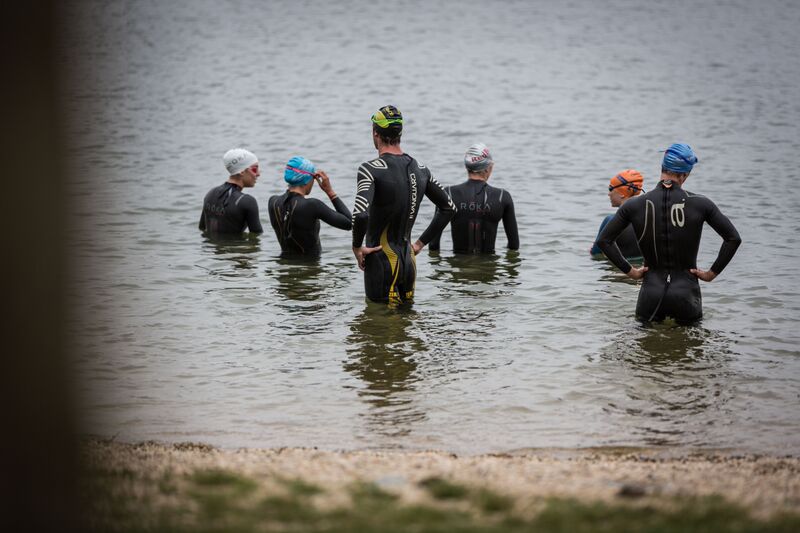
column 387, row 123
column 237, row 160
column 478, row 158
column 299, row 171
column 678, row 159
column 628, row 183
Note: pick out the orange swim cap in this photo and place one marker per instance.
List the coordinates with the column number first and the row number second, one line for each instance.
column 628, row 183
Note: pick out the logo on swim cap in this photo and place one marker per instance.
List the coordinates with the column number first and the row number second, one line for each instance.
column 238, row 159
column 679, row 158
column 388, row 117
column 477, row 157
column 298, row 171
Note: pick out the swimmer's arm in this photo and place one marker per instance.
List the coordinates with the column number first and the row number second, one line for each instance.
column 730, row 242
column 251, row 215
column 595, row 250
column 434, row 238
column 436, row 241
column 341, row 218
column 510, row 225
column 606, row 241
column 446, row 209
column 365, row 191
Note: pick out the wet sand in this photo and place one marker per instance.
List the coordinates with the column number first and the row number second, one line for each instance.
column 764, row 485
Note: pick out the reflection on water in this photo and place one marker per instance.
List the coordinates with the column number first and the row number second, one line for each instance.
column 466, row 271
column 239, row 251
column 382, row 350
column 298, row 279
column 675, row 379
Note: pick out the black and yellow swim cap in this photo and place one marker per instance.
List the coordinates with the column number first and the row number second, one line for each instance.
column 389, row 119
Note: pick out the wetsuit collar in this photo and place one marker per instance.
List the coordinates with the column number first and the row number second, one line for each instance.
column 674, row 184
column 234, row 184
column 387, row 152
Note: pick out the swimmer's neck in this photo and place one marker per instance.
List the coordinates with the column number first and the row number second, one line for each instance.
column 302, row 190
column 482, row 175
column 389, row 149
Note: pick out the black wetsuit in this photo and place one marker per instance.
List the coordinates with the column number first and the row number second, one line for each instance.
column 480, row 208
column 668, row 222
column 626, row 241
column 388, row 196
column 227, row 210
column 295, row 220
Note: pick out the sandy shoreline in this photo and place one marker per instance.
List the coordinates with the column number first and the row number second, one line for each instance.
column 765, row 485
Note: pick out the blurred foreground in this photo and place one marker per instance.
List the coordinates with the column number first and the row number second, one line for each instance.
column 195, row 487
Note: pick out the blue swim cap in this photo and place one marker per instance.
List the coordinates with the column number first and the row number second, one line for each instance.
column 299, row 171
column 679, row 159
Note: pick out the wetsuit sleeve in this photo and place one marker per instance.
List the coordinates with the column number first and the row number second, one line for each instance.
column 730, row 238
column 606, row 241
column 510, row 225
column 365, row 190
column 339, row 218
column 446, row 209
column 596, row 249
column 250, row 207
column 436, row 241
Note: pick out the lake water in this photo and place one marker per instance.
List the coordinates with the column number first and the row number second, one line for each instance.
column 181, row 338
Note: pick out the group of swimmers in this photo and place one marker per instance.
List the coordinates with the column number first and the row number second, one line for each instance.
column 662, row 226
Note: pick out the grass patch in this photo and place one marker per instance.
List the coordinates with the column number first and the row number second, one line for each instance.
column 483, row 499
column 300, row 488
column 441, row 489
column 223, row 479
column 697, row 515
column 218, row 500
column 284, row 510
column 491, row 502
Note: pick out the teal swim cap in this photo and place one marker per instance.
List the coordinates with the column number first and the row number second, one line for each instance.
column 299, row 171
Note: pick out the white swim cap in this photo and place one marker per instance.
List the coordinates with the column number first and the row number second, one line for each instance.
column 477, row 157
column 238, row 159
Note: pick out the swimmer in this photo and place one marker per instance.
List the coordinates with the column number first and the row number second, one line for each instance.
column 668, row 221
column 225, row 208
column 480, row 207
column 388, row 196
column 295, row 218
column 622, row 188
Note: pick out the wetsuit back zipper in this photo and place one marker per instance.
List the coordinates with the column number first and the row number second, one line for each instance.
column 667, row 263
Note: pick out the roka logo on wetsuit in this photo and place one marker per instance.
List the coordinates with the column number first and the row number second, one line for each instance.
column 413, row 182
column 677, row 215
column 475, row 206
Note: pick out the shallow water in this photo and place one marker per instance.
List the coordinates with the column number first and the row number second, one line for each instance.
column 179, row 337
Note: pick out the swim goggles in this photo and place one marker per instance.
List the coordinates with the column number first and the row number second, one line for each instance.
column 625, row 183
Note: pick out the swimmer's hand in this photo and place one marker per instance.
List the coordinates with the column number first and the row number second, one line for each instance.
column 705, row 275
column 363, row 251
column 417, row 247
column 324, row 183
column 637, row 273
